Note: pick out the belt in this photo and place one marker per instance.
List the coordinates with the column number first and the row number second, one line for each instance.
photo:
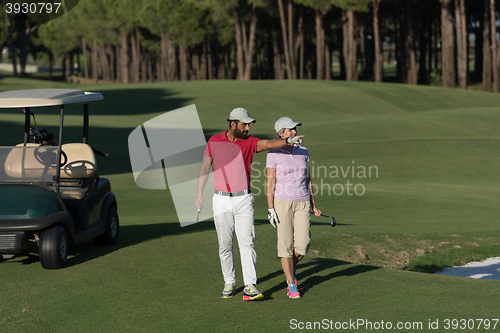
column 233, row 194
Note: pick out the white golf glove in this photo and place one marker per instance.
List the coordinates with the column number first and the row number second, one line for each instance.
column 272, row 216
column 297, row 140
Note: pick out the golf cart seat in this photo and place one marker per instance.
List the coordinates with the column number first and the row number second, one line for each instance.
column 29, row 162
column 78, row 172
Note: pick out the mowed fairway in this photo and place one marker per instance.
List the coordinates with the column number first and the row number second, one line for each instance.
column 430, row 183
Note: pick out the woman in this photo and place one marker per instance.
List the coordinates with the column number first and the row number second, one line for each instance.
column 290, row 198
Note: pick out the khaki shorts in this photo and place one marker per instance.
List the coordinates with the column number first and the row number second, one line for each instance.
column 294, row 228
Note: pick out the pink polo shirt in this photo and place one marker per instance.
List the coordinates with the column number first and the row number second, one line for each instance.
column 291, row 173
column 232, row 161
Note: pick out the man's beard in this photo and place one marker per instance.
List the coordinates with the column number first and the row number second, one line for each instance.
column 240, row 134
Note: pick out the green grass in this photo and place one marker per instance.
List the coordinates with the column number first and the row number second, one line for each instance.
column 436, row 151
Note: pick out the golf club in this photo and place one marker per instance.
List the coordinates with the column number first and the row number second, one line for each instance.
column 333, row 222
column 199, row 211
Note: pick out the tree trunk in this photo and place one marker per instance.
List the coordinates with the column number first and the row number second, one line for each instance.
column 270, row 54
column 136, row 56
column 243, row 29
column 104, row 63
column 276, row 57
column 100, row 67
column 51, row 65
column 379, row 60
column 465, row 45
column 107, row 62
column 66, row 66
column 494, row 49
column 111, row 53
column 172, row 65
column 25, row 39
column 309, row 57
column 134, row 62
column 194, row 73
column 164, row 69
column 400, row 32
column 301, row 65
column 12, row 52
column 210, row 68
column 151, row 77
column 124, row 58
column 85, row 65
column 362, row 50
column 461, row 29
column 423, row 42
column 299, row 44
column 239, row 46
column 167, row 58
column 221, row 68
column 144, row 68
column 250, row 49
column 118, row 64
column 202, row 75
column 486, row 48
column 161, row 61
column 291, row 51
column 328, row 66
column 350, row 45
column 447, row 45
column 95, row 63
column 410, row 45
column 261, row 60
column 320, row 45
column 286, row 48
column 71, row 64
column 183, row 75
column 231, row 58
column 430, row 45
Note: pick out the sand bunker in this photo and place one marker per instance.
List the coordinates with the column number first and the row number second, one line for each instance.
column 486, row 269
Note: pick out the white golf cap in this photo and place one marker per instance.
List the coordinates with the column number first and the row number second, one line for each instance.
column 285, row 122
column 241, row 115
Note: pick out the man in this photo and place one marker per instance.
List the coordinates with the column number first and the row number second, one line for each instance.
column 231, row 154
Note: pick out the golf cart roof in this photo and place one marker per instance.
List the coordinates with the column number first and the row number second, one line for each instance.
column 45, row 97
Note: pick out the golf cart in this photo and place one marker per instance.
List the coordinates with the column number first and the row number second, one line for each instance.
column 51, row 194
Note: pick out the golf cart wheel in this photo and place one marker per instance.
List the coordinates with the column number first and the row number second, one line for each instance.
column 53, row 248
column 110, row 236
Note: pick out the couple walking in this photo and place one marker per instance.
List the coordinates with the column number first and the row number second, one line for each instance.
column 289, row 196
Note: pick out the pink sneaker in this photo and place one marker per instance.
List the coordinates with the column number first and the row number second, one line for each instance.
column 292, row 290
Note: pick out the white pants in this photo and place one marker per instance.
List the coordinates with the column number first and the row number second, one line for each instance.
column 236, row 214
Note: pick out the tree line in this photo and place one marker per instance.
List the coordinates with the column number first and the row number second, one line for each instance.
column 132, row 41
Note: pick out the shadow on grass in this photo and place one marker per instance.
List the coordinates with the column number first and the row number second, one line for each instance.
column 131, row 235
column 308, row 274
column 27, row 258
